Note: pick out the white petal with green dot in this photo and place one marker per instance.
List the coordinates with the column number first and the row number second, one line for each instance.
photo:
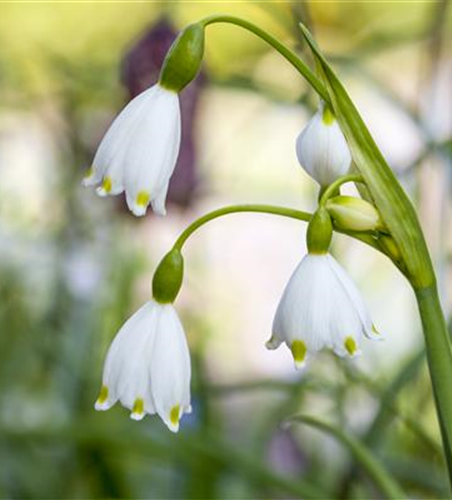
column 170, row 370
column 125, row 373
column 321, row 148
column 147, row 367
column 320, row 307
column 139, row 151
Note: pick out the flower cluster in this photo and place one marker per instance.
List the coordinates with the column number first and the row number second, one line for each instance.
column 321, row 306
column 147, row 368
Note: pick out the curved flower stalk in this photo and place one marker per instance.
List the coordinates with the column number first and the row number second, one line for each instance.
column 322, row 149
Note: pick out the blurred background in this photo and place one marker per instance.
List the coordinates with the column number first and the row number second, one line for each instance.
column 74, row 267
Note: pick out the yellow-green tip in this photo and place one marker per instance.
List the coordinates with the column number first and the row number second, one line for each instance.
column 299, row 350
column 137, row 409
column 350, row 345
column 103, row 395
column 107, row 184
column 328, row 116
column 143, row 198
column 101, row 401
column 174, row 415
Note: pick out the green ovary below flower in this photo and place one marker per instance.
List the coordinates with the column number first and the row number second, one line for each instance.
column 139, row 151
column 322, row 149
column 321, row 307
column 147, row 367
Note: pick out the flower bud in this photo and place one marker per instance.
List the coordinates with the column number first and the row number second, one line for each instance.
column 322, row 149
column 168, row 277
column 320, row 232
column 184, row 58
column 355, row 214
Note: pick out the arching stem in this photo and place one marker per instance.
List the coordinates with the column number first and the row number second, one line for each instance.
column 265, row 209
column 287, row 53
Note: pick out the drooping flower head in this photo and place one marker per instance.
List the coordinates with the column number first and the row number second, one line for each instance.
column 147, row 368
column 322, row 149
column 139, row 151
column 139, row 70
column 320, row 307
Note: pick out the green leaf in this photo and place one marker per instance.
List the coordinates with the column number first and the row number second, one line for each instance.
column 369, row 463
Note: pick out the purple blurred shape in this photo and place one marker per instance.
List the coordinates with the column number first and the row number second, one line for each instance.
column 140, row 69
column 284, row 455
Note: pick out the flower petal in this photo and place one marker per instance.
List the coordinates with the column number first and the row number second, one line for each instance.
column 170, row 369
column 126, row 374
column 356, row 298
column 152, row 154
column 114, row 143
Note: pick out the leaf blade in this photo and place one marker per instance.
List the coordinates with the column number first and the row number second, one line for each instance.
column 370, row 464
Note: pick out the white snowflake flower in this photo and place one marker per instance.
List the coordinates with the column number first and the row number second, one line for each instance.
column 147, row 367
column 139, row 151
column 321, row 307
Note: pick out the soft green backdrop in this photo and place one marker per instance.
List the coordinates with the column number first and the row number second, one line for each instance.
column 73, row 267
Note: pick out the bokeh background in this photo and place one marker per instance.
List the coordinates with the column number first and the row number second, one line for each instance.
column 73, row 267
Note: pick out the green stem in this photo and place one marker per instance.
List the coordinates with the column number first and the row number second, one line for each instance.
column 267, row 209
column 334, row 186
column 439, row 356
column 287, row 53
column 363, row 455
column 366, row 238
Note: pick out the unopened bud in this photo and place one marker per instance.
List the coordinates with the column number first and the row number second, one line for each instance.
column 183, row 61
column 322, row 149
column 320, row 232
column 168, row 277
column 354, row 214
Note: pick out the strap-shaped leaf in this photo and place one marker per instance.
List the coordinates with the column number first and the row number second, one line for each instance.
column 368, row 462
column 388, row 195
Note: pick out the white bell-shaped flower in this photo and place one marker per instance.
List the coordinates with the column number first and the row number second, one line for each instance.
column 322, row 149
column 148, row 366
column 139, row 151
column 321, row 307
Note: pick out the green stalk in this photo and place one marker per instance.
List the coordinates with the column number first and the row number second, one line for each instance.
column 401, row 219
column 266, row 209
column 374, row 468
column 287, row 53
column 439, row 356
